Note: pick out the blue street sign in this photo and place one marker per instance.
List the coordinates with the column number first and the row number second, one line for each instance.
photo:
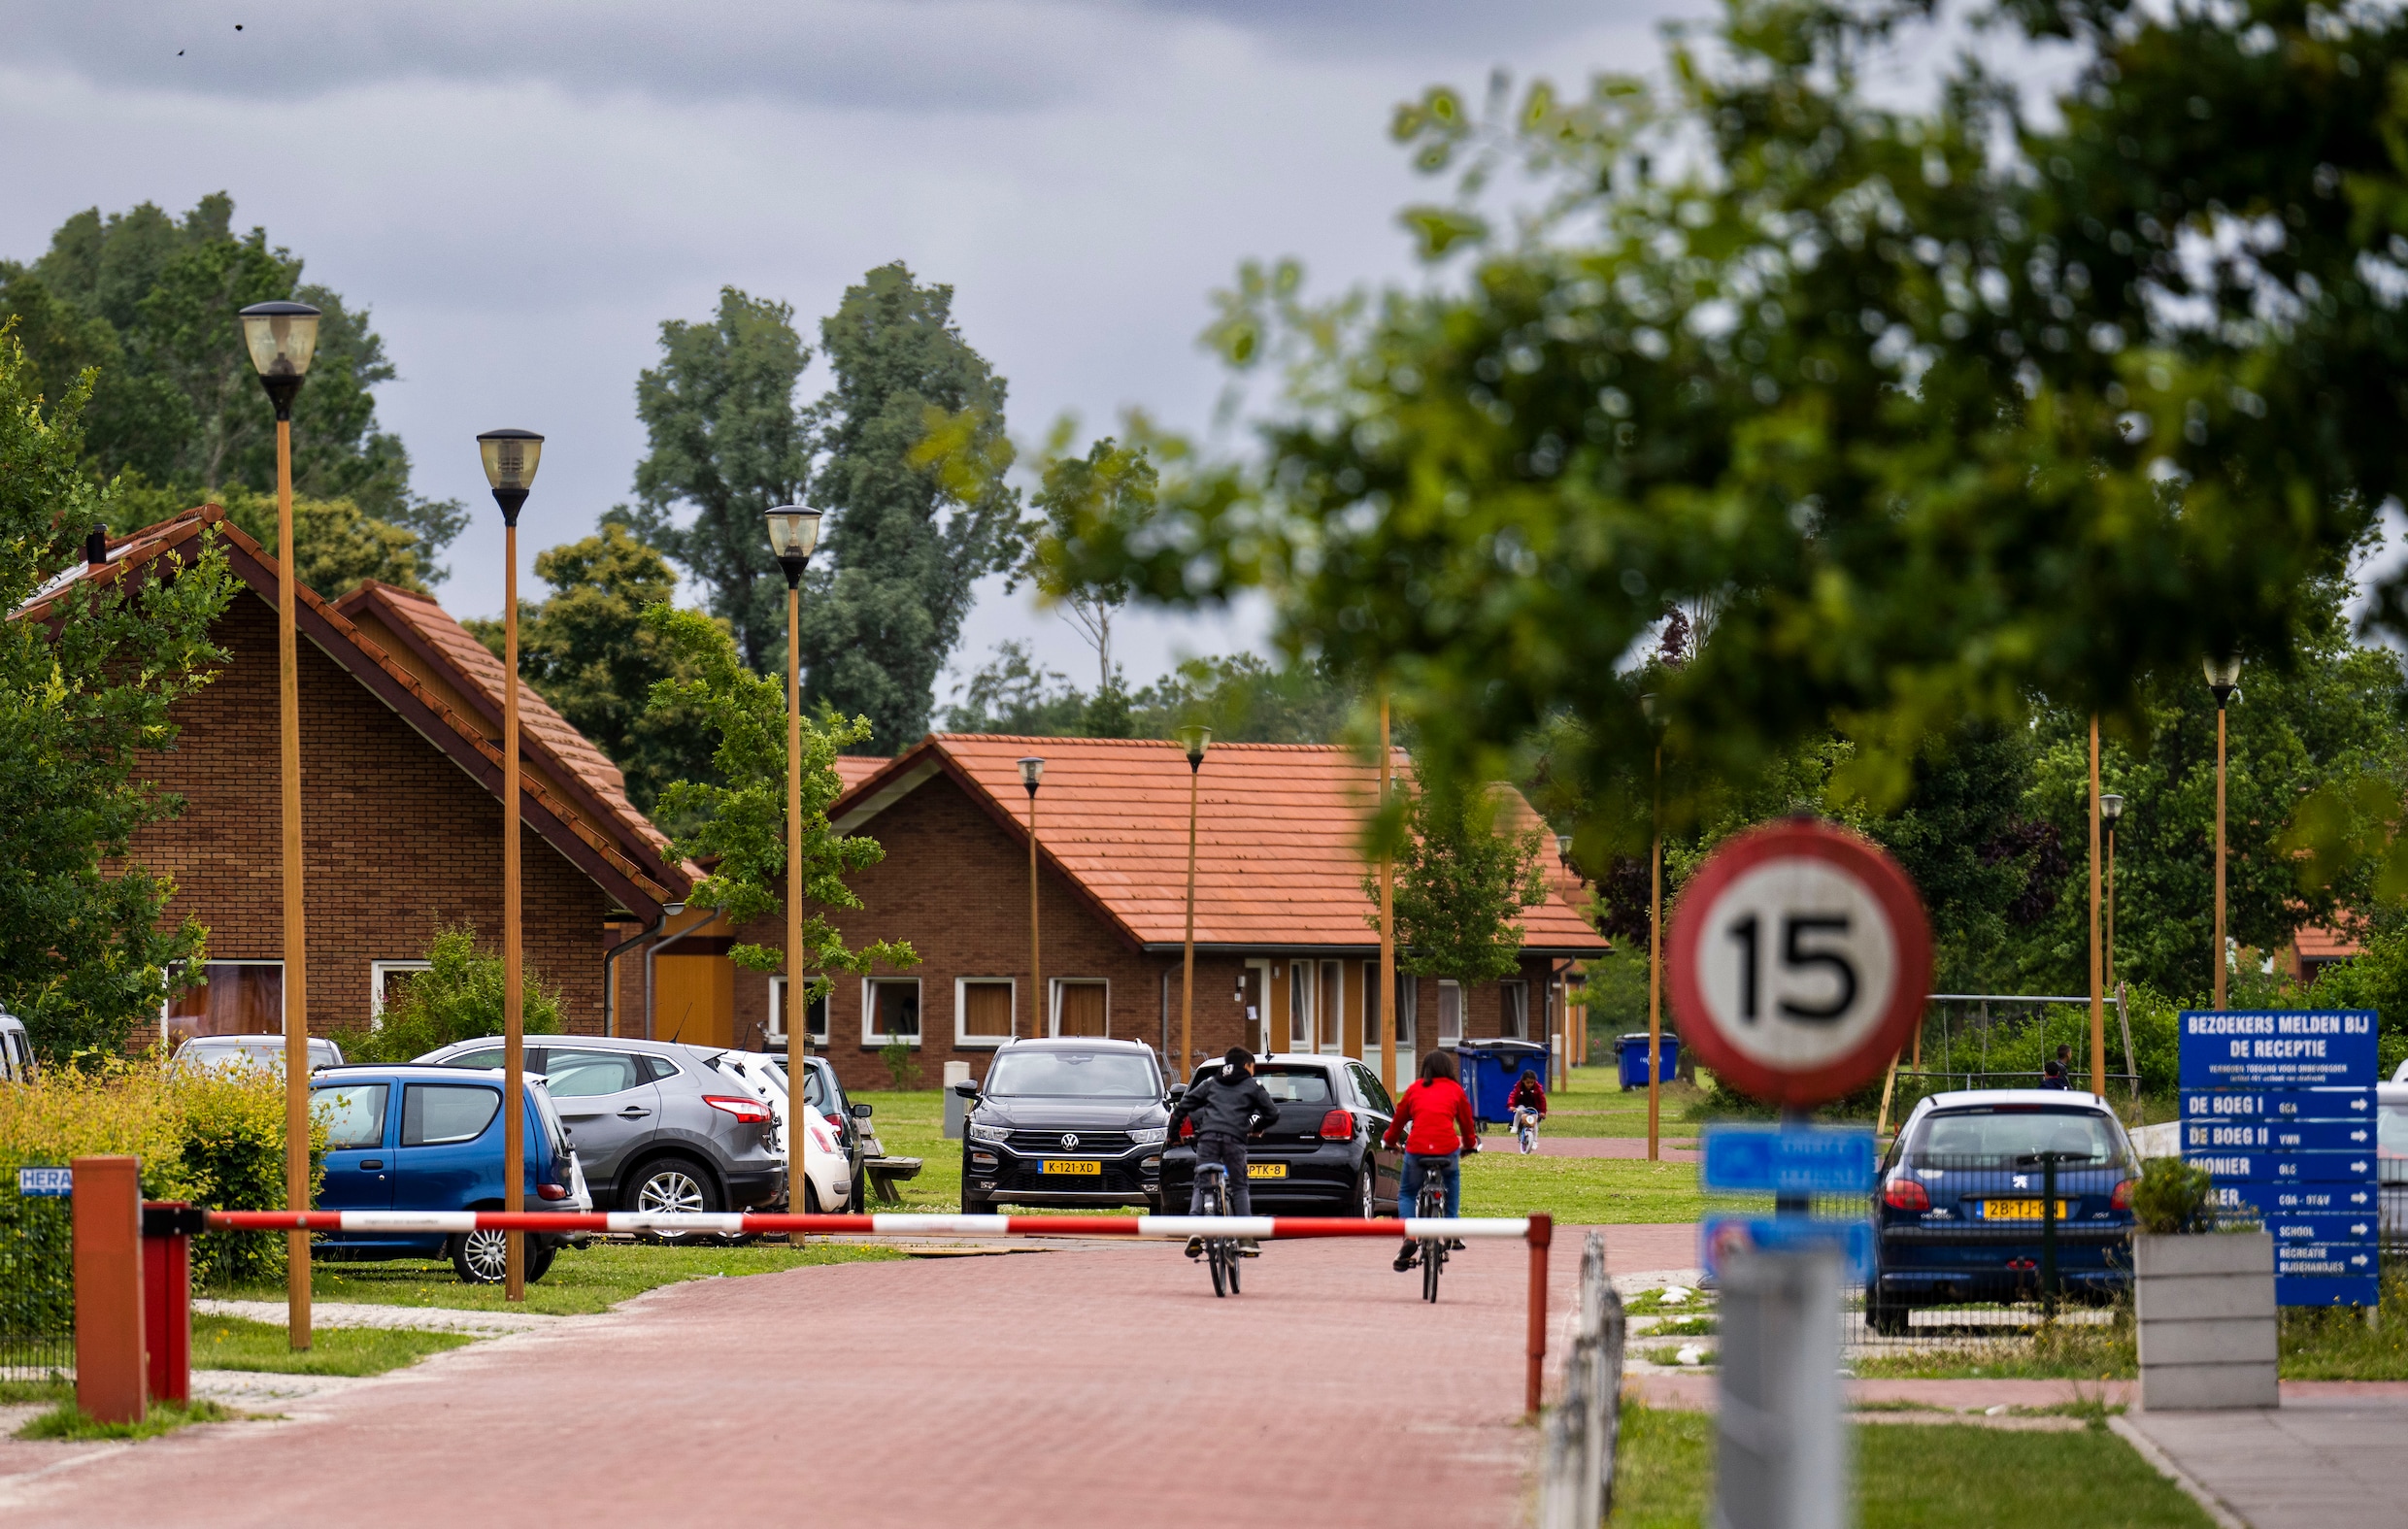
column 2321, row 1290
column 2289, row 1227
column 1719, row 1234
column 2266, row 1201
column 2278, row 1048
column 2210, row 1137
column 2324, row 1260
column 1787, row 1160
column 45, row 1183
column 2274, row 1167
column 2281, row 1104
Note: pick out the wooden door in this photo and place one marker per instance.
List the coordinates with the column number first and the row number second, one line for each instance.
column 1080, row 1009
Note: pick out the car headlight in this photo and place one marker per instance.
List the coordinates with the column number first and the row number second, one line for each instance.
column 1148, row 1134
column 989, row 1133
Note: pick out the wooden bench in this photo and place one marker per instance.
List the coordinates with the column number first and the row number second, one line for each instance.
column 886, row 1172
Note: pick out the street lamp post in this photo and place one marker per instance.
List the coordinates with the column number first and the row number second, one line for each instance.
column 1564, row 993
column 793, row 533
column 282, row 337
column 1654, row 946
column 1197, row 739
column 1391, row 1013
column 2111, row 810
column 2223, row 677
column 2098, row 944
column 1032, row 770
column 510, row 458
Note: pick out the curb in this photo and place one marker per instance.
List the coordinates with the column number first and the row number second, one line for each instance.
column 2163, row 1464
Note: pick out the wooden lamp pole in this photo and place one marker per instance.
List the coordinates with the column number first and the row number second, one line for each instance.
column 1392, row 1011
column 2224, row 676
column 2099, row 941
column 282, row 337
column 1198, row 740
column 793, row 534
column 1655, row 951
column 1032, row 772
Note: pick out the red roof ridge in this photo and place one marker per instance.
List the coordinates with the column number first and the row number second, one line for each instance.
column 1136, row 743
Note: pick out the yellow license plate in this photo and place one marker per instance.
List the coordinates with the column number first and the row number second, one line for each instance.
column 2022, row 1210
column 1072, row 1165
column 1266, row 1170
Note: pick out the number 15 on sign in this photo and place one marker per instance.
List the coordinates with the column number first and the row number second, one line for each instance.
column 1799, row 962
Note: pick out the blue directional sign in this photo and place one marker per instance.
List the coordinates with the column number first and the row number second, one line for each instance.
column 1788, row 1159
column 45, row 1183
column 1719, row 1234
column 2278, row 1106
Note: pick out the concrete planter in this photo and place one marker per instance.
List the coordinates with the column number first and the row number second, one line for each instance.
column 2207, row 1319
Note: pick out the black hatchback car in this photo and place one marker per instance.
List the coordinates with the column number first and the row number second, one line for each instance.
column 1322, row 1156
column 1064, row 1124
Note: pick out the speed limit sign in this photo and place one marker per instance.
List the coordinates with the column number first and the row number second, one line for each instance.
column 1800, row 960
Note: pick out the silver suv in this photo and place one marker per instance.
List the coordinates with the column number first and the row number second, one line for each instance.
column 654, row 1126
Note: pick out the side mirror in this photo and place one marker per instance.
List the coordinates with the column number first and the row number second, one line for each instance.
column 861, row 1111
column 1178, row 1093
column 966, row 1088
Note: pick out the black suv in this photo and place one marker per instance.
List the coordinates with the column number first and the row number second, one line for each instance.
column 1322, row 1156
column 1064, row 1123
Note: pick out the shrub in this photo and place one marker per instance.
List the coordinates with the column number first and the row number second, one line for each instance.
column 2173, row 1196
column 458, row 998
column 232, row 1141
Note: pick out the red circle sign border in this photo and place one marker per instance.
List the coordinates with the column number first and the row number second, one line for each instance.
column 1891, row 888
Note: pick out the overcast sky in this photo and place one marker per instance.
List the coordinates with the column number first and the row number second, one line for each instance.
column 523, row 192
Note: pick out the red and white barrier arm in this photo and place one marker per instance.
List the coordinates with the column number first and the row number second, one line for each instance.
column 1181, row 1227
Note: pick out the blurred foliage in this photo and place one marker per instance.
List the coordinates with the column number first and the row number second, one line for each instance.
column 459, row 997
column 2172, row 1196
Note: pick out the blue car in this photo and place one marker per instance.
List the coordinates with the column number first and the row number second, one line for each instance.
column 1958, row 1212
column 412, row 1138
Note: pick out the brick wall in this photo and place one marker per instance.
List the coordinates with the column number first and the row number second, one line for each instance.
column 397, row 839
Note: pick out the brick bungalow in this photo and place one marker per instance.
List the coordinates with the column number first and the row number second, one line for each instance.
column 1285, row 955
column 401, row 810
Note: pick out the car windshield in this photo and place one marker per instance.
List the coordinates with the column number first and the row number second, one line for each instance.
column 1073, row 1075
column 1997, row 1138
column 265, row 1051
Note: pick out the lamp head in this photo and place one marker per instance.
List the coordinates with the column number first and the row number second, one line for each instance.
column 1032, row 770
column 794, row 536
column 2224, row 676
column 510, row 458
column 2111, row 807
column 1196, row 740
column 1563, row 849
column 1647, row 705
column 282, row 337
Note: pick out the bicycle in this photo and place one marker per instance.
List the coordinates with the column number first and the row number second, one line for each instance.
column 1431, row 1205
column 1220, row 1252
column 1525, row 1128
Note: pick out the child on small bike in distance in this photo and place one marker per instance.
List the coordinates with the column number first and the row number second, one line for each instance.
column 1227, row 1109
column 1435, row 1126
column 1530, row 1096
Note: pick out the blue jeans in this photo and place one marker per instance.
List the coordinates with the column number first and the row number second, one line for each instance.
column 1449, row 1171
column 1230, row 1155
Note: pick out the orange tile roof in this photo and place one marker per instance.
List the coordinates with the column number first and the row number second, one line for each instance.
column 853, row 769
column 1279, row 861
column 2318, row 943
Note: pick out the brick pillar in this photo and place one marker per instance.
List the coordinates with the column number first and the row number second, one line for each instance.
column 110, row 1379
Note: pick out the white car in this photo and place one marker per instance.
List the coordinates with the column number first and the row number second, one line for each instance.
column 827, row 1169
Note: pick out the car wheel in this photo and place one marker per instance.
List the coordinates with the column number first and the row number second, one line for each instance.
column 976, row 1204
column 538, row 1260
column 1888, row 1319
column 480, row 1257
column 672, row 1183
column 858, row 1204
column 1366, row 1202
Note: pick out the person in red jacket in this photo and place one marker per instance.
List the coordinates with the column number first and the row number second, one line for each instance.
column 1435, row 1126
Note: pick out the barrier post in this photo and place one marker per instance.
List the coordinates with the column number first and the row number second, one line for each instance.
column 167, row 1229
column 1540, row 1234
column 108, row 1288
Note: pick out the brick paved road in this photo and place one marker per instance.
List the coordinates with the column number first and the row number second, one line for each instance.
column 1036, row 1390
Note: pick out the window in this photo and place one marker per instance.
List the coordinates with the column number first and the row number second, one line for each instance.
column 1082, row 1007
column 1074, row 1075
column 1408, row 1010
column 231, row 998
column 1331, row 1006
column 1367, row 1082
column 1296, row 1084
column 387, row 981
column 436, row 1114
column 1373, row 1020
column 1450, row 1010
column 1301, row 990
column 1513, row 1021
column 815, row 1015
column 983, row 1012
column 354, row 1115
column 582, row 1075
column 890, row 1011
column 482, row 1057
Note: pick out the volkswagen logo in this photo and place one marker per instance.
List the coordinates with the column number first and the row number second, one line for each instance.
column 1070, row 1141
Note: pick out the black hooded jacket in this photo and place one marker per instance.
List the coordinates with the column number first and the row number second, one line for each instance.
column 1222, row 1106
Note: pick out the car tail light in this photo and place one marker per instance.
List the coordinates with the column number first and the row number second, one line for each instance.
column 1337, row 1126
column 1186, row 1130
column 836, row 1123
column 751, row 1112
column 2122, row 1199
column 552, row 1191
column 1905, row 1194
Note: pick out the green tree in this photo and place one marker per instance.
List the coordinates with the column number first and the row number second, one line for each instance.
column 1111, row 481
column 459, row 997
column 914, row 447
column 150, row 302
column 88, row 683
column 740, row 819
column 728, row 443
column 587, row 651
column 1460, row 882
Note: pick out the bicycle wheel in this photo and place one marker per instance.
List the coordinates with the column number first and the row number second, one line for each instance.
column 1433, row 1259
column 1234, row 1262
column 1224, row 1270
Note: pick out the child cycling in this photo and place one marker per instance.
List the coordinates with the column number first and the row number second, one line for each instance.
column 1227, row 1109
column 1435, row 1126
column 1528, row 1103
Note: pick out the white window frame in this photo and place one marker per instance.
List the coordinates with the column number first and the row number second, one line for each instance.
column 1258, row 1023
column 879, row 1039
column 1329, row 1032
column 376, row 971
column 1446, row 985
column 1054, row 1003
column 1304, row 997
column 1514, row 992
column 775, row 1029
column 963, row 1040
column 283, row 1003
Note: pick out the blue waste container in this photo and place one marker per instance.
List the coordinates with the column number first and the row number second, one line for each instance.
column 1631, row 1051
column 1490, row 1068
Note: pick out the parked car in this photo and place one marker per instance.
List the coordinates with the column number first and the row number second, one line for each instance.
column 16, row 1050
column 1958, row 1211
column 1064, row 1123
column 414, row 1137
column 827, row 1172
column 209, row 1054
column 1322, row 1156
column 656, row 1128
column 826, row 1094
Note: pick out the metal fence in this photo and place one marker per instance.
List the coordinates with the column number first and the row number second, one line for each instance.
column 37, row 1285
column 1576, row 1472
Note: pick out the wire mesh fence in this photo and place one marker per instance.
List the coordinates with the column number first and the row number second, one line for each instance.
column 37, row 1284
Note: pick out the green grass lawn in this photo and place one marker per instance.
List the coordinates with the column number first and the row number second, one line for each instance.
column 1915, row 1474
column 1593, row 1104
column 582, row 1281
column 67, row 1420
column 230, row 1343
